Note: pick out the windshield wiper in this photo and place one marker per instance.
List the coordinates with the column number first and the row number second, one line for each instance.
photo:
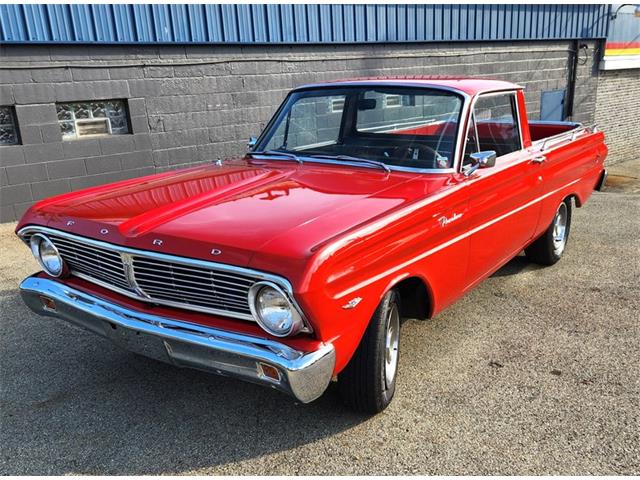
column 349, row 158
column 279, row 153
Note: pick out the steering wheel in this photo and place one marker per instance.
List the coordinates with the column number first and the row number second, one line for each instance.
column 417, row 153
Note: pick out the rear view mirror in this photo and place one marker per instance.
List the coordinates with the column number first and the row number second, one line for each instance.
column 252, row 142
column 367, row 104
column 484, row 159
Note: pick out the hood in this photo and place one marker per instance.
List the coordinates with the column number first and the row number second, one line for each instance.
column 232, row 212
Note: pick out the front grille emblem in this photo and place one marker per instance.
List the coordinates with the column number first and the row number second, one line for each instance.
column 157, row 242
column 127, row 265
column 215, row 251
column 104, row 231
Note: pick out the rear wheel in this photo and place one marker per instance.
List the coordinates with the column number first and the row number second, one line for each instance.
column 548, row 249
column 368, row 382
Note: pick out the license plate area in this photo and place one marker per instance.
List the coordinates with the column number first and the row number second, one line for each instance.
column 138, row 342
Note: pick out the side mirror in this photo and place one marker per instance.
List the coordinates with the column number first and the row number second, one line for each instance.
column 252, row 142
column 484, row 159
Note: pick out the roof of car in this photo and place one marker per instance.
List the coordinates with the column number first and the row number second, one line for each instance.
column 469, row 85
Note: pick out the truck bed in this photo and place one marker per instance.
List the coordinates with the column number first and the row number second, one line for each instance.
column 542, row 129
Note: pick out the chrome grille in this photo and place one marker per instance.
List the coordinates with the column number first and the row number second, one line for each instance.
column 199, row 287
column 157, row 278
column 95, row 262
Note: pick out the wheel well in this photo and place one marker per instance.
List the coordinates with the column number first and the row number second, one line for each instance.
column 415, row 299
column 576, row 200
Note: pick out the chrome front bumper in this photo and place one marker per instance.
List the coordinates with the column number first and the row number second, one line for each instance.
column 304, row 375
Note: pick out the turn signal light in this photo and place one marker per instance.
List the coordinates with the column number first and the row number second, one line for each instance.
column 268, row 371
column 48, row 303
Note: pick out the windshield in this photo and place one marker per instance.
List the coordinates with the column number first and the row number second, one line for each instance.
column 398, row 126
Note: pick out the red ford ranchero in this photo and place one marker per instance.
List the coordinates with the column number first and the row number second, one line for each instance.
column 363, row 202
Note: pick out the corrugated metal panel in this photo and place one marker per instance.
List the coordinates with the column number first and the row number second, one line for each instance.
column 300, row 23
column 626, row 26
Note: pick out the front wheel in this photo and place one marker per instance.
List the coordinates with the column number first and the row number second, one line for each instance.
column 548, row 249
column 368, row 382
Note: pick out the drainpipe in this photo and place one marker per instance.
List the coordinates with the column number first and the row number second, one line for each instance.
column 574, row 62
column 571, row 82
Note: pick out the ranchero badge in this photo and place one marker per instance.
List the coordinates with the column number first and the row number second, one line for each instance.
column 444, row 221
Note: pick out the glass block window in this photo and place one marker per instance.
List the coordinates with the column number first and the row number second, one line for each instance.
column 90, row 119
column 391, row 101
column 337, row 105
column 8, row 126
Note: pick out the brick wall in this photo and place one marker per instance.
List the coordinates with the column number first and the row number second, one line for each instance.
column 618, row 113
column 191, row 104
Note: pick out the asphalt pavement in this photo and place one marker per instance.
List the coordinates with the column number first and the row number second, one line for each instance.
column 537, row 371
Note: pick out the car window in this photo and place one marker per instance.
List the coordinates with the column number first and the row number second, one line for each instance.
column 471, row 144
column 402, row 126
column 495, row 123
column 311, row 122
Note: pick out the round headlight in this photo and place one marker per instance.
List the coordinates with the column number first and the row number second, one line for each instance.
column 47, row 255
column 273, row 310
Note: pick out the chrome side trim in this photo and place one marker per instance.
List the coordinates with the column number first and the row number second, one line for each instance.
column 437, row 248
column 304, row 375
column 280, row 281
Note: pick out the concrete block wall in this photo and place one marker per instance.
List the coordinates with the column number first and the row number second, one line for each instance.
column 191, row 104
column 618, row 113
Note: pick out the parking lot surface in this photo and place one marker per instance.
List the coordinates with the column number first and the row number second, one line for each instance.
column 537, row 371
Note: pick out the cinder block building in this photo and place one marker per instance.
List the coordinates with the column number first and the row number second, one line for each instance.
column 90, row 94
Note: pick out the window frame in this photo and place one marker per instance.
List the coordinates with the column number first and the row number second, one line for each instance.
column 472, row 111
column 459, row 136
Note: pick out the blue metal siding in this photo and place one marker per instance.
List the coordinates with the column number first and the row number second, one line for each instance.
column 247, row 24
column 626, row 26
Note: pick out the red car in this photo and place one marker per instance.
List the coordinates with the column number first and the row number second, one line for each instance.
column 362, row 203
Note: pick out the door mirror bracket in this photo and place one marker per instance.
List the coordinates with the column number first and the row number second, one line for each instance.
column 484, row 159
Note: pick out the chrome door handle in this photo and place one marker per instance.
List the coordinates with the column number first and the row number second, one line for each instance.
column 538, row 159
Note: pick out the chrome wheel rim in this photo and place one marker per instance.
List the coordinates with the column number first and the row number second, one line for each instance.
column 391, row 346
column 560, row 229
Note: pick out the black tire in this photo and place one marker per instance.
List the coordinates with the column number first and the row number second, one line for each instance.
column 364, row 384
column 546, row 249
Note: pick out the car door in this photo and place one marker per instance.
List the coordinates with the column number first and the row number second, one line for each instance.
column 503, row 207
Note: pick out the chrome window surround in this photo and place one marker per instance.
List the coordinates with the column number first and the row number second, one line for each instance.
column 126, row 254
column 471, row 110
column 457, row 155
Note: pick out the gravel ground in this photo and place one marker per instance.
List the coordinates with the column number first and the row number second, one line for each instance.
column 535, row 372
